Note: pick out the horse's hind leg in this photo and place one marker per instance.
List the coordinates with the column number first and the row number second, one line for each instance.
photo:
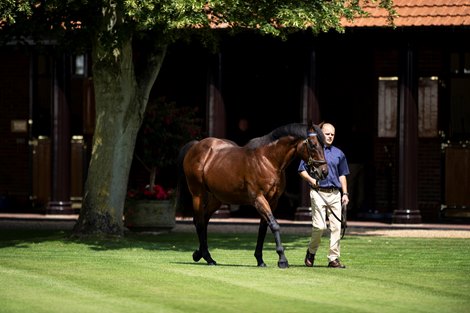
column 203, row 251
column 201, row 221
column 263, row 227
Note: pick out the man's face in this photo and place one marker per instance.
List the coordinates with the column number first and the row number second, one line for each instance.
column 329, row 132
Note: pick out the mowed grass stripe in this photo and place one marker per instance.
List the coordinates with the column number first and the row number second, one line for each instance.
column 48, row 272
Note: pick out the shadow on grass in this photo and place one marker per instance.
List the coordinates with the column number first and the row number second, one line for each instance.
column 203, row 263
column 174, row 241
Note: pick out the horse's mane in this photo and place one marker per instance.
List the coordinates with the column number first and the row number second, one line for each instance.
column 293, row 129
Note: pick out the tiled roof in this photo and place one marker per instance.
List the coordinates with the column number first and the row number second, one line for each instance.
column 418, row 13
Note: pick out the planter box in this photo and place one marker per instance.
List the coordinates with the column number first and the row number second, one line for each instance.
column 149, row 215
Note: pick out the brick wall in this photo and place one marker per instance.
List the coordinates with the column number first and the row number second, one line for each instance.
column 385, row 175
column 429, row 177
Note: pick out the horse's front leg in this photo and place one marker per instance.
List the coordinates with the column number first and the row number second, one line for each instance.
column 263, row 227
column 264, row 209
column 276, row 229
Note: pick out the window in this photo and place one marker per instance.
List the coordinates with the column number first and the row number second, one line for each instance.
column 427, row 107
column 388, row 106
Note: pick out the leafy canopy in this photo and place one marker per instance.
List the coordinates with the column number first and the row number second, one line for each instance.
column 77, row 21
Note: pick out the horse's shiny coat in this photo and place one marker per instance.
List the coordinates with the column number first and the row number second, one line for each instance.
column 215, row 171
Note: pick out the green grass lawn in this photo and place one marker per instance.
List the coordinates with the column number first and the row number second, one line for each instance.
column 45, row 271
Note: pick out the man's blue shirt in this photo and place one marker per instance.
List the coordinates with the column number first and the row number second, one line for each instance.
column 337, row 166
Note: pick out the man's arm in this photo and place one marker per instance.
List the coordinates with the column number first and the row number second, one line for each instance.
column 344, row 188
column 309, row 179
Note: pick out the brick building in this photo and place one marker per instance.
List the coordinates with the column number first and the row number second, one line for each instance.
column 399, row 98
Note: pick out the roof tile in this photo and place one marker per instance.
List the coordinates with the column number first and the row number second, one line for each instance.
column 417, row 13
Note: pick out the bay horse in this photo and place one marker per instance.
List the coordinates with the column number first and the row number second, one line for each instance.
column 214, row 171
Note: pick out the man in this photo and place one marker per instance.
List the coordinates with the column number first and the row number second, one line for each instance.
column 327, row 196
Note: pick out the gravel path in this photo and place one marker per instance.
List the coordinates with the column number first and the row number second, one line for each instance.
column 420, row 233
column 252, row 227
column 305, row 230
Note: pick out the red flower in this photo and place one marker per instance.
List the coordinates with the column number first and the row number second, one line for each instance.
column 158, row 193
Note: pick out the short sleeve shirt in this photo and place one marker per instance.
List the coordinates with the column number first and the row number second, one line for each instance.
column 337, row 166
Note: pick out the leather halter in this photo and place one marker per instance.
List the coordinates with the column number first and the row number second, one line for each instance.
column 309, row 148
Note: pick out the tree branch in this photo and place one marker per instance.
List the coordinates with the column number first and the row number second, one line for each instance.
column 148, row 72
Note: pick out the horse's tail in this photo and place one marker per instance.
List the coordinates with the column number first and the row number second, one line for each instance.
column 184, row 200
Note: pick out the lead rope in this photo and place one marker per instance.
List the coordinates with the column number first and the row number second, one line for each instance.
column 343, row 219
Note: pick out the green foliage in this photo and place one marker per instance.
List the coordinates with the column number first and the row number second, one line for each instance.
column 12, row 9
column 45, row 271
column 170, row 19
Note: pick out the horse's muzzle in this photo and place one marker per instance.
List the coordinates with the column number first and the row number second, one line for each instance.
column 323, row 171
column 320, row 171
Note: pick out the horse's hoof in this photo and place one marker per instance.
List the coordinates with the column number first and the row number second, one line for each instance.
column 262, row 264
column 212, row 263
column 283, row 264
column 197, row 256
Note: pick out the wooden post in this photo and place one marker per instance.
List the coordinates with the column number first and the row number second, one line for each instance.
column 408, row 211
column 216, row 120
column 310, row 112
column 60, row 193
column 216, row 117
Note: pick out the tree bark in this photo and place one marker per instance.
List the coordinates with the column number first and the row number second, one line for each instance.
column 121, row 96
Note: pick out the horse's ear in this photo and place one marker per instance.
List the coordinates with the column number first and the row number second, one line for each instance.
column 319, row 131
column 311, row 126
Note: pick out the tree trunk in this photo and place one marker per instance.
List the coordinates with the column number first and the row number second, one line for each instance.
column 121, row 96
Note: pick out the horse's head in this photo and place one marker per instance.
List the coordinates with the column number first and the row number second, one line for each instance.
column 311, row 151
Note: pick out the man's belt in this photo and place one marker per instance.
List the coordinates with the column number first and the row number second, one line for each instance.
column 329, row 190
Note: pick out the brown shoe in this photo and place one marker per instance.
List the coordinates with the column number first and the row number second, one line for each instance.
column 336, row 264
column 309, row 259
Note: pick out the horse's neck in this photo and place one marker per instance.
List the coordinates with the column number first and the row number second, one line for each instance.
column 281, row 152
